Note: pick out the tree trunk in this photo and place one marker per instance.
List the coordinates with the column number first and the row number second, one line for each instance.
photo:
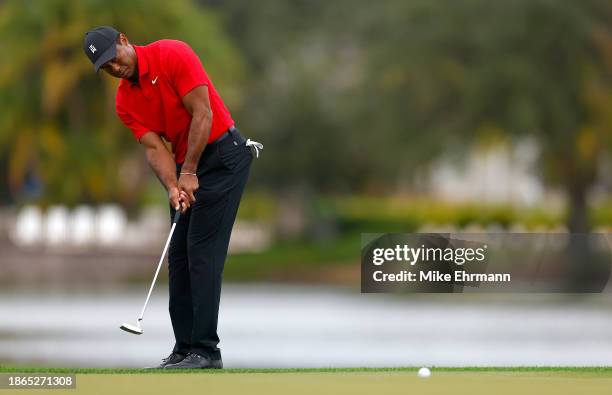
column 578, row 218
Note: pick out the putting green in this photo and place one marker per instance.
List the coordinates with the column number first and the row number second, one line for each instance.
column 351, row 382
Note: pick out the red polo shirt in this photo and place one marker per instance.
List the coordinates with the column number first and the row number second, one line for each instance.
column 168, row 70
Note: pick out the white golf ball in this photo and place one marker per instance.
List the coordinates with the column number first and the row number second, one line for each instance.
column 424, row 373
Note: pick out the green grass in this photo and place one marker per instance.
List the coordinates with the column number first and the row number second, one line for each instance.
column 390, row 381
column 604, row 370
column 286, row 260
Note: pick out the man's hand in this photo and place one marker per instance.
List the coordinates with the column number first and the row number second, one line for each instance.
column 178, row 199
column 188, row 184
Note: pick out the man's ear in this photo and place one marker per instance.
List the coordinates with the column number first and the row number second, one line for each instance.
column 123, row 40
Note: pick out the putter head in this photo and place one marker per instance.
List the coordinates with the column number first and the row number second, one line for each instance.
column 135, row 329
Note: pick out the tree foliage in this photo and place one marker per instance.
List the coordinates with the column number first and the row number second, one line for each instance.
column 357, row 93
column 346, row 95
column 57, row 119
column 530, row 68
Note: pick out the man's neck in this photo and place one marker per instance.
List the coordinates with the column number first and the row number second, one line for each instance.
column 135, row 77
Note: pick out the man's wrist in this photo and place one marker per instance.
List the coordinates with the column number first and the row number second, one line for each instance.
column 188, row 168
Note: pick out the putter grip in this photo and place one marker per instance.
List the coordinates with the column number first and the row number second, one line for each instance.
column 176, row 216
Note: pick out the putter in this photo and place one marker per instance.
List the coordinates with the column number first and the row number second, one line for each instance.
column 137, row 329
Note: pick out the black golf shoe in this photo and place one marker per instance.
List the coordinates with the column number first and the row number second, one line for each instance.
column 173, row 358
column 196, row 361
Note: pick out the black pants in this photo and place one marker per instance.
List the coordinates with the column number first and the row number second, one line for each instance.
column 199, row 246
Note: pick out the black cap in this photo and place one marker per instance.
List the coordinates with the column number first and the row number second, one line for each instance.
column 99, row 45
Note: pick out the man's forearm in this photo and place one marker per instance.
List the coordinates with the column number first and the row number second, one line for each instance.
column 163, row 165
column 199, row 130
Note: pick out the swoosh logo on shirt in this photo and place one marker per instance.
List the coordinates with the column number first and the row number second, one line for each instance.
column 155, row 80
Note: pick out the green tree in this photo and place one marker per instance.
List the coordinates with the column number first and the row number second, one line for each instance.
column 57, row 117
column 302, row 72
column 530, row 68
column 352, row 95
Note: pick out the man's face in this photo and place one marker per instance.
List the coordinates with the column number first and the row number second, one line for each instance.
column 123, row 65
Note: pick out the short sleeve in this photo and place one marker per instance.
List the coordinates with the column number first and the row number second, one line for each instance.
column 136, row 127
column 186, row 71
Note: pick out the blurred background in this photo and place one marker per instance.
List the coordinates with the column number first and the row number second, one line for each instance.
column 390, row 116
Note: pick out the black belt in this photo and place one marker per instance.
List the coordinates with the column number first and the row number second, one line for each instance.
column 231, row 131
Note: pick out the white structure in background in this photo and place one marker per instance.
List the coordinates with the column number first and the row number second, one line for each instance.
column 108, row 227
column 151, row 229
column 249, row 237
column 56, row 226
column 28, row 227
column 494, row 175
column 82, row 226
column 110, row 224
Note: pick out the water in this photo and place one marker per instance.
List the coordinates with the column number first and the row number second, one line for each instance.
column 293, row 326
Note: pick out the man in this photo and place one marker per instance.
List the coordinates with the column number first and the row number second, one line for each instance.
column 165, row 93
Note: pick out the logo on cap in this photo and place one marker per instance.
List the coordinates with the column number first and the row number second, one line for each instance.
column 100, row 45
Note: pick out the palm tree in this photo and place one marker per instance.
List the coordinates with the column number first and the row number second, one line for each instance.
column 57, row 118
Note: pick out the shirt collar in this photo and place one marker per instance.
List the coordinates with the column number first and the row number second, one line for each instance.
column 143, row 61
